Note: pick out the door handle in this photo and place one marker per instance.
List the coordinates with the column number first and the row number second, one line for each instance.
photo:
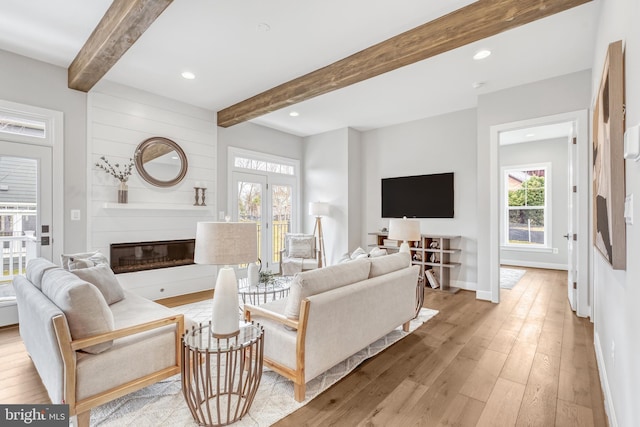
column 566, row 236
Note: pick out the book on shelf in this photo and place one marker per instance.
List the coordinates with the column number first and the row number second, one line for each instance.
column 390, row 242
column 432, row 279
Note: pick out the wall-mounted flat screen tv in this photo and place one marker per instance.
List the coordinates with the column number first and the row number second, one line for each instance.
column 421, row 196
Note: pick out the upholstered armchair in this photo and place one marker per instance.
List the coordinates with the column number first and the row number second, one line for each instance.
column 299, row 254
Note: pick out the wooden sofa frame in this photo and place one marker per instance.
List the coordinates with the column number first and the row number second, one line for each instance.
column 68, row 348
column 296, row 375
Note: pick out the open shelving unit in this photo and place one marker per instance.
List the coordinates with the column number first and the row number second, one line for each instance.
column 431, row 252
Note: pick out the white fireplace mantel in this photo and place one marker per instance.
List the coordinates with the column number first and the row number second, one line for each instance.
column 155, row 206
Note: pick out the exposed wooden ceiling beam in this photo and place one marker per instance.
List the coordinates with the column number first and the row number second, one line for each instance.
column 117, row 31
column 477, row 21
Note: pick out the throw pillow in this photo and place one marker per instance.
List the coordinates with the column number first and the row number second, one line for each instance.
column 82, row 260
column 301, row 247
column 36, row 268
column 103, row 278
column 358, row 254
column 376, row 252
column 83, row 305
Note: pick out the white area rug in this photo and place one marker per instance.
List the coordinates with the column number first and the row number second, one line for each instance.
column 162, row 404
column 509, row 277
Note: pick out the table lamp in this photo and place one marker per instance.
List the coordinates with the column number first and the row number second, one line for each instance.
column 226, row 243
column 404, row 229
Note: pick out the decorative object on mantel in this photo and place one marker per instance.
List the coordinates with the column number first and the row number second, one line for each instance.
column 200, row 193
column 121, row 175
column 161, row 162
column 226, row 243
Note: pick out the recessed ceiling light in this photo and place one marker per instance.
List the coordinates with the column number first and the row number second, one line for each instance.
column 263, row 27
column 188, row 75
column 477, row 85
column 294, row 114
column 481, row 54
column 174, row 157
column 530, row 135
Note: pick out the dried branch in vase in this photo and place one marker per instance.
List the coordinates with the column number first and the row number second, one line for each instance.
column 114, row 170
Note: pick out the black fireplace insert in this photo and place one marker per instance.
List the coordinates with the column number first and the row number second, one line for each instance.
column 130, row 257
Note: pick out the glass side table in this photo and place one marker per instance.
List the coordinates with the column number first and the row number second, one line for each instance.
column 220, row 376
column 261, row 293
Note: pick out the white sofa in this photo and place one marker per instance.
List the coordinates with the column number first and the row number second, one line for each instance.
column 86, row 351
column 334, row 312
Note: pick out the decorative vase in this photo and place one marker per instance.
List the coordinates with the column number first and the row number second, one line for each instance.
column 123, row 192
column 253, row 272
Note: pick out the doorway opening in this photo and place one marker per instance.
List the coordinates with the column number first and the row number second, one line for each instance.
column 31, row 194
column 541, row 170
column 264, row 189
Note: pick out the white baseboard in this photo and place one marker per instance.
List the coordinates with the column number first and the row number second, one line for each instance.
column 533, row 264
column 604, row 382
column 467, row 286
column 484, row 295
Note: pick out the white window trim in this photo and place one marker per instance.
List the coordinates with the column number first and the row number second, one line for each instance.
column 233, row 152
column 530, row 247
column 54, row 138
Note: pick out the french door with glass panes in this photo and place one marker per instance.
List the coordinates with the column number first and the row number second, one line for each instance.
column 268, row 201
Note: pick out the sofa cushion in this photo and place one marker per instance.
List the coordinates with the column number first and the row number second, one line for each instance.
column 301, row 246
column 146, row 352
column 36, row 268
column 82, row 260
column 103, row 278
column 83, row 305
column 387, row 264
column 321, row 280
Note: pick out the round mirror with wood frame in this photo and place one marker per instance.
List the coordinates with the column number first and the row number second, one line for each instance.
column 161, row 162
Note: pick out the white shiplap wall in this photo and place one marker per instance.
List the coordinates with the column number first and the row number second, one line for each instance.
column 119, row 118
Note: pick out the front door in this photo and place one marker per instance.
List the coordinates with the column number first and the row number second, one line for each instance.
column 25, row 205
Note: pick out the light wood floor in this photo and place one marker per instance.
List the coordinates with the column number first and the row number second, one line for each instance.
column 528, row 361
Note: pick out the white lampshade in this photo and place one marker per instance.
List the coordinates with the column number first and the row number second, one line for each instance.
column 226, row 243
column 404, row 229
column 318, row 209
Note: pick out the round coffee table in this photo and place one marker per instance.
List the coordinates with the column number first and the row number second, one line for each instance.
column 261, row 293
column 220, row 376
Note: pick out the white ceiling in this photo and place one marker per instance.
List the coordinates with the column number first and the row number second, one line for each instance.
column 221, row 42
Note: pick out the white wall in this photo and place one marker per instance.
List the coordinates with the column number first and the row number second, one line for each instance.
column 440, row 144
column 544, row 98
column 36, row 83
column 553, row 151
column 326, row 179
column 256, row 138
column 617, row 293
column 120, row 118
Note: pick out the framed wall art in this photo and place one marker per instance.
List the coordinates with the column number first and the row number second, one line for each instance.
column 608, row 161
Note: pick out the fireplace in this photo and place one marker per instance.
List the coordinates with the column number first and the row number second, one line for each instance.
column 130, row 257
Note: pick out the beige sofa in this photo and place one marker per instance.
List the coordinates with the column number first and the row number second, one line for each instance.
column 334, row 312
column 86, row 351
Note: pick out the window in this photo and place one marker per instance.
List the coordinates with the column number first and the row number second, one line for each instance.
column 22, row 126
column 260, row 165
column 526, row 206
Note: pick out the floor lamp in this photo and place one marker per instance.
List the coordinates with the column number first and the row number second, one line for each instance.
column 319, row 209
